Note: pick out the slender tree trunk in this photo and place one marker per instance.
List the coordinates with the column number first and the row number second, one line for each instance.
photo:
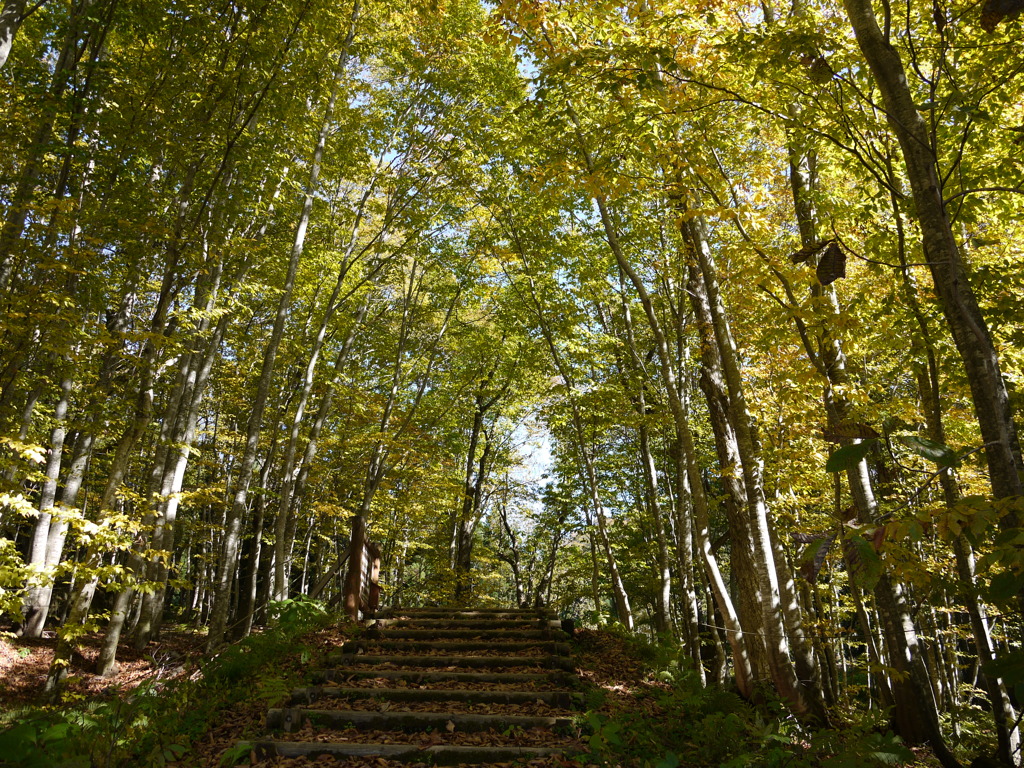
column 663, row 617
column 472, row 510
column 78, row 39
column 284, row 528
column 159, row 326
column 686, row 443
column 81, row 601
column 1004, row 716
column 632, row 376
column 249, row 577
column 378, row 465
column 619, row 595
column 595, row 569
column 183, row 415
column 684, row 522
column 914, row 705
column 36, row 603
column 514, row 559
column 11, row 17
column 782, row 620
column 716, row 396
column 952, row 285
column 81, row 454
column 232, row 535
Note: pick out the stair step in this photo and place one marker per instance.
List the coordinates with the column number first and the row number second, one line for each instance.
column 443, row 754
column 469, row 634
column 291, row 719
column 484, row 611
column 363, row 659
column 560, row 699
column 470, row 623
column 511, row 646
column 414, row 640
column 435, row 613
column 444, row 676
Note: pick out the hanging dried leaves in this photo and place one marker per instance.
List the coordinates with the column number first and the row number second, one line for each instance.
column 808, row 252
column 832, row 265
column 829, row 259
column 814, row 554
column 849, row 431
column 995, row 11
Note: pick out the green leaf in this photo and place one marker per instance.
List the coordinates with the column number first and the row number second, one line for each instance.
column 1008, row 666
column 937, row 453
column 868, row 564
column 55, row 732
column 1005, row 586
column 236, row 753
column 849, row 456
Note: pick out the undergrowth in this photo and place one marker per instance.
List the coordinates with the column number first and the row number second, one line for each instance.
column 675, row 721
column 158, row 722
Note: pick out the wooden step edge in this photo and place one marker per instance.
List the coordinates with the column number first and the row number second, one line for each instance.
column 482, row 624
column 531, row 662
column 555, row 676
column 431, row 613
column 454, row 609
column 472, row 635
column 440, row 754
column 290, row 719
column 562, row 699
column 400, row 643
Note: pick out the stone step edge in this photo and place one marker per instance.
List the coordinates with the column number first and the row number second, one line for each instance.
column 289, row 719
column 439, row 754
column 562, row 699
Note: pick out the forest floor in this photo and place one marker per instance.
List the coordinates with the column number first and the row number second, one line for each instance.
column 634, row 715
column 24, row 665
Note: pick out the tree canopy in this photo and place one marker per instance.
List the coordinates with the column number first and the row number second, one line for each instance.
column 700, row 318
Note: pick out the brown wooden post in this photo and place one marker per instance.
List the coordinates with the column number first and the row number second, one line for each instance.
column 373, row 588
column 353, row 579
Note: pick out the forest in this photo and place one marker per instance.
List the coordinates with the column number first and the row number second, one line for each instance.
column 697, row 319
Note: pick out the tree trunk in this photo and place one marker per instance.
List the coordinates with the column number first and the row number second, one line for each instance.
column 37, row 598
column 663, row 603
column 783, row 624
column 1004, row 716
column 11, row 17
column 914, row 706
column 79, row 38
column 959, row 304
column 284, row 528
column 633, row 383
column 378, row 465
column 183, row 416
column 619, row 595
column 250, row 560
column 232, row 534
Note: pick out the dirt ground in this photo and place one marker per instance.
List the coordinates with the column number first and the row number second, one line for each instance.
column 24, row 665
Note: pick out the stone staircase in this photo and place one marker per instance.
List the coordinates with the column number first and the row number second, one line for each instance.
column 436, row 686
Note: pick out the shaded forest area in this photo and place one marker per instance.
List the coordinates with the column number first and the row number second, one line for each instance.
column 702, row 319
